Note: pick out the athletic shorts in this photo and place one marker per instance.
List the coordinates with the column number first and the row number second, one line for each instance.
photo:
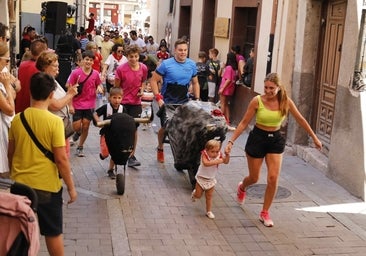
column 262, row 142
column 49, row 213
column 166, row 112
column 133, row 110
column 83, row 114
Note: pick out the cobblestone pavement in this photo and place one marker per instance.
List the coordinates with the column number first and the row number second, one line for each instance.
column 155, row 216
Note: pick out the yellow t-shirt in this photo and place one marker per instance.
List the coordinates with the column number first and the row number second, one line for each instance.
column 30, row 166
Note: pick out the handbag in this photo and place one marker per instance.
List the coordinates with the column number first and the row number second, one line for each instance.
column 45, row 151
column 69, row 130
column 81, row 84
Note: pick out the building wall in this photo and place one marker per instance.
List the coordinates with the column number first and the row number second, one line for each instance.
column 347, row 149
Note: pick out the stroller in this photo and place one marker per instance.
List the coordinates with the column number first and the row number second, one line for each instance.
column 19, row 231
column 191, row 126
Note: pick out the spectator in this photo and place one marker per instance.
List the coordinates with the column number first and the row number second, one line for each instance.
column 98, row 59
column 227, row 86
column 60, row 103
column 26, row 70
column 114, row 60
column 135, row 40
column 213, row 79
column 91, row 23
column 162, row 53
column 202, row 74
column 126, row 40
column 151, row 46
column 4, row 38
column 106, row 47
column 29, row 34
column 7, row 109
column 32, row 167
column 240, row 61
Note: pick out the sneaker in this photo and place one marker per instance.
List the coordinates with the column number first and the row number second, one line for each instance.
column 265, row 219
column 192, row 195
column 132, row 162
column 160, row 155
column 240, row 194
column 80, row 151
column 210, row 215
column 74, row 139
column 111, row 174
column 239, row 82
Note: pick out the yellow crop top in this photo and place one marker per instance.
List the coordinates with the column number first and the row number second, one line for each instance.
column 268, row 117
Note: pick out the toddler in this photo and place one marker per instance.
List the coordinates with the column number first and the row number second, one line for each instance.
column 211, row 157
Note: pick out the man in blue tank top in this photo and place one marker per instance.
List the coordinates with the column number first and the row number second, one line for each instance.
column 177, row 74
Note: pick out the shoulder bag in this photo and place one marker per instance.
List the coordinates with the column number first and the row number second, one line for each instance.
column 45, row 151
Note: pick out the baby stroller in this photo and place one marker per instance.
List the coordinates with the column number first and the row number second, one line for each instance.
column 190, row 127
column 19, row 231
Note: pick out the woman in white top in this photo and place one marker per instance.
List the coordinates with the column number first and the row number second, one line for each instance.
column 60, row 104
column 115, row 59
column 7, row 109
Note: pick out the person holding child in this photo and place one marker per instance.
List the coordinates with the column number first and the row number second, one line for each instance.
column 211, row 157
column 265, row 141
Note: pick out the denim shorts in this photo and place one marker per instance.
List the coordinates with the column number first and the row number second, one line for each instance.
column 262, row 142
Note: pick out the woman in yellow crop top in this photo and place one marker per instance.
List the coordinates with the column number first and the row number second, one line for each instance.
column 265, row 140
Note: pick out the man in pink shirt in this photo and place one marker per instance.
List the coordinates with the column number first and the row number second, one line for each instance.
column 130, row 77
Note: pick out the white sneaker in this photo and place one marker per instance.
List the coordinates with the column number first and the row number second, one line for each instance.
column 210, row 215
column 231, row 128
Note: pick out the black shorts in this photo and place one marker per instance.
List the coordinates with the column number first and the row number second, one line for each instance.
column 83, row 114
column 133, row 110
column 50, row 214
column 166, row 112
column 262, row 142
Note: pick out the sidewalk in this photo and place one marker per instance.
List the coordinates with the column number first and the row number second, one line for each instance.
column 155, row 216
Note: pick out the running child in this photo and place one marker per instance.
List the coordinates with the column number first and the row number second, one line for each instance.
column 211, row 157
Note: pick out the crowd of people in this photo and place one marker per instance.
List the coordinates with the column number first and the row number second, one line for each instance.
column 118, row 67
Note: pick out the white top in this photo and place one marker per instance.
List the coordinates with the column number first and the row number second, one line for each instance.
column 113, row 64
column 208, row 172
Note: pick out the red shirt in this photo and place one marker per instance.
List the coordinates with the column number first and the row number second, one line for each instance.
column 162, row 55
column 97, row 61
column 26, row 70
column 90, row 26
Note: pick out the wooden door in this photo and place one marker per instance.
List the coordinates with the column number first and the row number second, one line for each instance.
column 330, row 60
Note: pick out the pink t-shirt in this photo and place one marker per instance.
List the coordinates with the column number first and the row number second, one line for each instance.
column 131, row 82
column 86, row 99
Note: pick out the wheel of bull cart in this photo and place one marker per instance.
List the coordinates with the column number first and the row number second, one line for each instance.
column 120, row 184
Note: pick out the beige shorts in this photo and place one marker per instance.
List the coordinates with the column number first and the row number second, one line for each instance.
column 205, row 183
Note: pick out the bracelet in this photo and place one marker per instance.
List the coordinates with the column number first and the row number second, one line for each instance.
column 230, row 141
column 158, row 97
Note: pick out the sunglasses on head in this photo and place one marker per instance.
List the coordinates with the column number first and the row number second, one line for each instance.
column 6, row 59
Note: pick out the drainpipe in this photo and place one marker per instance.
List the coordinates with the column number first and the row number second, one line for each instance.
column 271, row 36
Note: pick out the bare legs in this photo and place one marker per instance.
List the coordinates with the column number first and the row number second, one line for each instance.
column 208, row 193
column 273, row 162
column 55, row 245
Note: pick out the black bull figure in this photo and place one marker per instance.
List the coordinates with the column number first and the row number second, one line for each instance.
column 191, row 126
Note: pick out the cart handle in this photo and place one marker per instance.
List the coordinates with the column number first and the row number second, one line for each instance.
column 137, row 120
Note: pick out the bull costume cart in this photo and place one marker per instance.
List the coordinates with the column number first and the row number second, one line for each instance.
column 190, row 127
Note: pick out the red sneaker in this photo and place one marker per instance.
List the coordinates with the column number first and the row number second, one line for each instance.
column 160, row 155
column 240, row 195
column 265, row 219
